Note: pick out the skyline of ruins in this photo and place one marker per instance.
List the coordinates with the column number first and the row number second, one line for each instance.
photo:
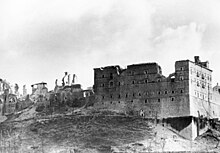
column 41, row 40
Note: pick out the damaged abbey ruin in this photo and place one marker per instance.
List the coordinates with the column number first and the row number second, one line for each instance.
column 68, row 94
column 184, row 100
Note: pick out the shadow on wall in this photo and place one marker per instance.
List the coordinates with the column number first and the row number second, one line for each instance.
column 178, row 123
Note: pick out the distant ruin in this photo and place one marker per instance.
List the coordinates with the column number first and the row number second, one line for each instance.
column 68, row 94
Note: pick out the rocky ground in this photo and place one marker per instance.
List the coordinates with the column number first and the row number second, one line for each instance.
column 86, row 132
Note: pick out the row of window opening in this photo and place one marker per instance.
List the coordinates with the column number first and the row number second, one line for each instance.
column 111, row 83
column 147, row 101
column 147, row 93
column 203, row 95
column 202, row 75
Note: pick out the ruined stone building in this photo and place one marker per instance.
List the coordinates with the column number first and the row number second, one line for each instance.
column 39, row 92
column 8, row 103
column 181, row 99
column 8, row 100
column 69, row 92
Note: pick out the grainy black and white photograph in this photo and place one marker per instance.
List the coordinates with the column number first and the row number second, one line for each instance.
column 109, row 76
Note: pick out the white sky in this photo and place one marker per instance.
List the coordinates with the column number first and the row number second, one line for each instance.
column 40, row 40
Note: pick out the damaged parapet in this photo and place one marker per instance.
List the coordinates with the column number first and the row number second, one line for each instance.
column 203, row 64
column 116, row 68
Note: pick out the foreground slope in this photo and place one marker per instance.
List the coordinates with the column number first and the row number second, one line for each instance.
column 90, row 132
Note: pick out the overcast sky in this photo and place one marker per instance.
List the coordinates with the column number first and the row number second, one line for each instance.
column 41, row 39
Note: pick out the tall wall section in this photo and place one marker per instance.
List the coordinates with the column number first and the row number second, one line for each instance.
column 177, row 102
column 201, row 98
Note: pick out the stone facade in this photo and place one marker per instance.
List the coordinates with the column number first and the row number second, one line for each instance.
column 142, row 89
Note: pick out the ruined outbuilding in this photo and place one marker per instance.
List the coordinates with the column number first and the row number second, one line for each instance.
column 69, row 93
column 39, row 92
column 180, row 99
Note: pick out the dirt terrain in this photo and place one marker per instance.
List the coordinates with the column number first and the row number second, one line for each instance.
column 92, row 132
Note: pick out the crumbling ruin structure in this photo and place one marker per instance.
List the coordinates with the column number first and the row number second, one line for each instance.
column 39, row 92
column 180, row 99
column 8, row 100
column 9, row 103
column 69, row 93
column 24, row 91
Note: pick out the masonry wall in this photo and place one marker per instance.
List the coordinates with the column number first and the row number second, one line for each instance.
column 178, row 82
column 143, row 88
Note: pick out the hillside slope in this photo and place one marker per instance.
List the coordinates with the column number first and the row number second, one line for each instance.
column 91, row 132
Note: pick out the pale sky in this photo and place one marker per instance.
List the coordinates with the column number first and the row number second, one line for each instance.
column 41, row 39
